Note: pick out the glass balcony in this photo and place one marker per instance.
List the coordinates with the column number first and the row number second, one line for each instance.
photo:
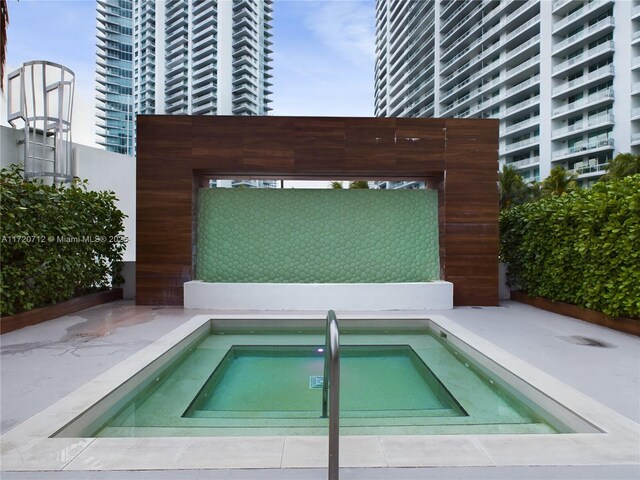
column 584, row 102
column 584, row 57
column 598, row 74
column 583, row 149
column 591, row 123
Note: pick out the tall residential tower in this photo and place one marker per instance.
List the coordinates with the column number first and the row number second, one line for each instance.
column 562, row 76
column 200, row 57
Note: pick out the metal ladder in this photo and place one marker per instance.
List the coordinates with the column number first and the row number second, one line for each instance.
column 331, row 391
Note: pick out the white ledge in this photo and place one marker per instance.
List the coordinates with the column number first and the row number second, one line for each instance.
column 437, row 295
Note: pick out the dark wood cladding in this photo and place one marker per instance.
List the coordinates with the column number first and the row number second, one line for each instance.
column 458, row 156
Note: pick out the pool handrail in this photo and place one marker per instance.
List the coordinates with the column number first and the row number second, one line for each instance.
column 331, row 391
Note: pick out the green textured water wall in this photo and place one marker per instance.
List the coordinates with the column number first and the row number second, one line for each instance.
column 317, row 236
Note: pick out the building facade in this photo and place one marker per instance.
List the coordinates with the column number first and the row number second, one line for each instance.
column 189, row 57
column 562, row 76
column 114, row 76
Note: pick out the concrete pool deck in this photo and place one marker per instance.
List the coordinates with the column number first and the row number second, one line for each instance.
column 43, row 363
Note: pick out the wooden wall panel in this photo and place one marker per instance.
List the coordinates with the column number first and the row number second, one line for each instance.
column 173, row 151
column 470, row 211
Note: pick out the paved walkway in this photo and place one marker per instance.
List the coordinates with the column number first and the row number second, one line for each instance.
column 43, row 363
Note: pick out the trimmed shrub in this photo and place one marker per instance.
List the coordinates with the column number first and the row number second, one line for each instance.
column 57, row 242
column 581, row 248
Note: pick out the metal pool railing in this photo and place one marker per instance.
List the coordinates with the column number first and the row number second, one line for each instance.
column 331, row 391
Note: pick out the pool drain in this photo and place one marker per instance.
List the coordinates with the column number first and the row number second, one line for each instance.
column 586, row 341
column 316, row 381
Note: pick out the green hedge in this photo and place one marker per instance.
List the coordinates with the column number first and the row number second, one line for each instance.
column 581, row 248
column 56, row 242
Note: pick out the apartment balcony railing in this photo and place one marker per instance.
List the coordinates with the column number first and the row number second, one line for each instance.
column 596, row 74
column 523, row 46
column 521, row 144
column 595, row 122
column 523, row 85
column 635, row 88
column 523, row 66
column 527, row 162
column 593, row 98
column 583, row 149
column 584, row 56
column 529, row 122
column 424, row 110
column 419, row 100
column 528, row 24
column 454, row 31
column 635, row 113
column 524, row 104
column 635, row 63
column 453, row 14
column 569, row 19
column 206, row 88
column 605, row 22
column 635, row 138
column 635, row 12
column 492, row 30
column 557, row 4
column 589, row 166
column 205, row 79
column 464, row 19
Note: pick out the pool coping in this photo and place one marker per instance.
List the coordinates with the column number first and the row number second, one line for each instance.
column 27, row 447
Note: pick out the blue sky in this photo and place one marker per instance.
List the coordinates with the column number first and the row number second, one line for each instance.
column 323, row 53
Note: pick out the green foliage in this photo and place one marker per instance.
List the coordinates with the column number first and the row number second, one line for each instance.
column 512, row 187
column 57, row 242
column 559, row 182
column 359, row 184
column 623, row 165
column 336, row 185
column 581, row 248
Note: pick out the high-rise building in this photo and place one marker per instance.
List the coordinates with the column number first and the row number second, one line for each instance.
column 114, row 87
column 562, row 76
column 200, row 57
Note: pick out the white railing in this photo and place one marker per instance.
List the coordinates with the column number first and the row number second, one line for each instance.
column 524, row 46
column 606, row 70
column 575, row 15
column 580, row 168
column 604, row 94
column 523, row 66
column 583, row 149
column 635, row 112
column 524, row 26
column 522, row 85
column 635, row 11
column 523, row 104
column 583, row 33
column 454, row 30
column 523, row 124
column 525, row 162
column 590, row 123
column 558, row 3
column 522, row 143
column 584, row 56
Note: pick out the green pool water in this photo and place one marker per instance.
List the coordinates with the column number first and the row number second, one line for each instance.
column 259, row 382
column 286, row 381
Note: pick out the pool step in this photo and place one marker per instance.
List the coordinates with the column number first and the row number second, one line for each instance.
column 149, row 431
column 314, row 414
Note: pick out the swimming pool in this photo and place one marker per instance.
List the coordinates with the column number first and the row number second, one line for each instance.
column 246, row 379
column 59, row 438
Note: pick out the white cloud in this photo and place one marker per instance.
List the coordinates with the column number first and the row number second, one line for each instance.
column 347, row 27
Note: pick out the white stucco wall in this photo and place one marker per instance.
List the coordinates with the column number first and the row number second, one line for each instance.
column 105, row 171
